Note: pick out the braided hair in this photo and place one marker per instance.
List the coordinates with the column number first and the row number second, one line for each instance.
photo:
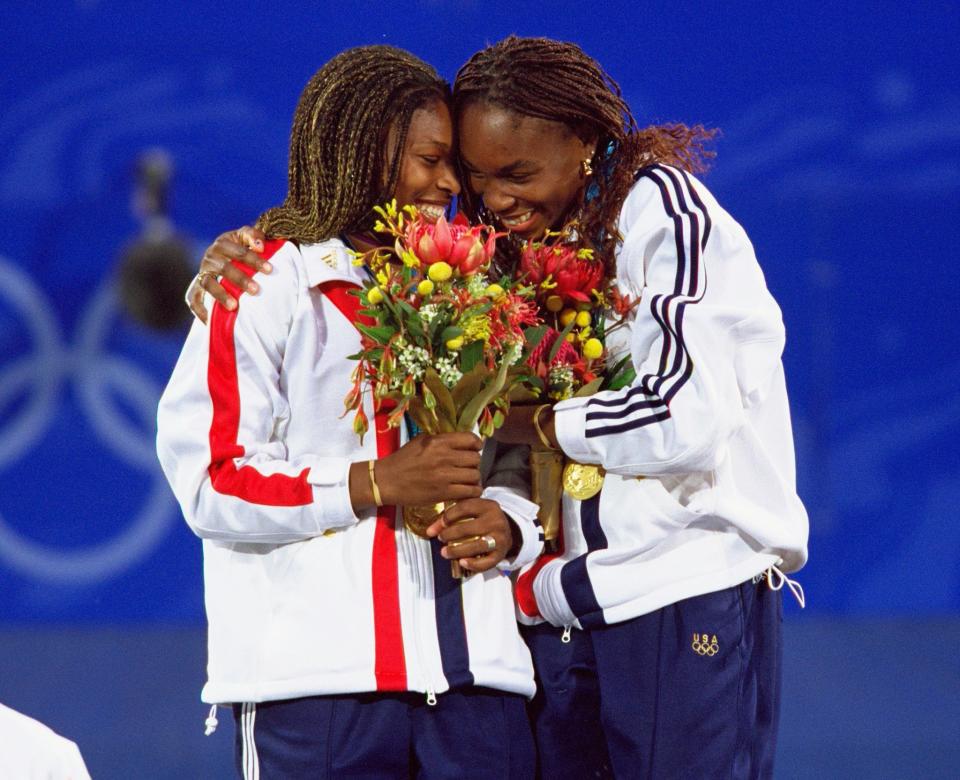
column 559, row 82
column 340, row 167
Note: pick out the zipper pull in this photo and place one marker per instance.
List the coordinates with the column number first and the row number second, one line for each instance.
column 431, row 699
column 566, row 635
column 211, row 722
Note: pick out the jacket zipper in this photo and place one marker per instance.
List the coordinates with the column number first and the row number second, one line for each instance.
column 416, row 545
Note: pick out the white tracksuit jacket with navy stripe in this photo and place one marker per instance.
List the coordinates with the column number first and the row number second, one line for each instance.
column 700, row 488
column 303, row 596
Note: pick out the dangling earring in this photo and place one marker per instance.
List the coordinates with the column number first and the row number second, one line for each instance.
column 586, row 167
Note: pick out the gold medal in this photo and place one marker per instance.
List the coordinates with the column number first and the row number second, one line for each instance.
column 582, row 480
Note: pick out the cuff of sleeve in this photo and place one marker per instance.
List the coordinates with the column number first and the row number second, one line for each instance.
column 524, row 514
column 548, row 591
column 330, row 478
column 570, row 424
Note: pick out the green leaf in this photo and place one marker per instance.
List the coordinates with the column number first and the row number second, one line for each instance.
column 415, row 330
column 408, row 309
column 445, row 411
column 450, row 332
column 623, row 378
column 425, row 421
column 379, row 333
column 468, row 386
column 558, row 342
column 533, row 336
column 471, row 413
column 470, row 355
column 590, row 388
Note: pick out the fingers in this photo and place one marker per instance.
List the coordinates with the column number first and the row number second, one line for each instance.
column 196, row 304
column 219, row 293
column 252, row 237
column 466, row 510
column 240, row 279
column 475, row 532
column 460, row 441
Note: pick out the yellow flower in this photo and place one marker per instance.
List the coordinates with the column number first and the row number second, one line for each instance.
column 410, row 260
column 375, row 295
column 592, row 349
column 425, row 288
column 583, row 319
column 494, row 290
column 476, row 328
column 567, row 316
column 554, row 303
column 454, row 344
column 571, row 337
column 440, row 272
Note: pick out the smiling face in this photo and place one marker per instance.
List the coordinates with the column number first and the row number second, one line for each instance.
column 427, row 176
column 527, row 170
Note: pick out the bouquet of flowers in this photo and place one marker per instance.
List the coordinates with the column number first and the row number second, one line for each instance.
column 580, row 306
column 445, row 343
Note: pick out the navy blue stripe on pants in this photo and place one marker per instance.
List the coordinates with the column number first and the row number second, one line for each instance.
column 472, row 733
column 689, row 690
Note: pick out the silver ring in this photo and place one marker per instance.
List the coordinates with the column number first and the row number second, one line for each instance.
column 491, row 542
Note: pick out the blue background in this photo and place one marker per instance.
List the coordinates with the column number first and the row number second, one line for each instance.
column 840, row 155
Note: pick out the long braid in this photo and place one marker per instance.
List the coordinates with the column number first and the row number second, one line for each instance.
column 559, row 82
column 338, row 169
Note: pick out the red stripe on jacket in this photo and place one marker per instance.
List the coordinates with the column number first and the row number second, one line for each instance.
column 223, row 382
column 390, row 666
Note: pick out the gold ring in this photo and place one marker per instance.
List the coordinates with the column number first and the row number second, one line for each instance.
column 201, row 275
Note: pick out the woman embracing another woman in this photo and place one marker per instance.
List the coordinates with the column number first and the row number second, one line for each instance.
column 337, row 636
column 655, row 626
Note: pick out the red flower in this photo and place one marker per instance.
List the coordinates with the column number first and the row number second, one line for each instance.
column 464, row 247
column 566, row 354
column 556, row 270
column 511, row 314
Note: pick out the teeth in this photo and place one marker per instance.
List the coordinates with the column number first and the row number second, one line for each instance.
column 431, row 211
column 519, row 220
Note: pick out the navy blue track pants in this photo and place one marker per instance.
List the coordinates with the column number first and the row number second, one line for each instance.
column 472, row 733
column 690, row 690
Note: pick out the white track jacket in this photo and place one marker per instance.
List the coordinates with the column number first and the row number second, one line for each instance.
column 304, row 597
column 700, row 488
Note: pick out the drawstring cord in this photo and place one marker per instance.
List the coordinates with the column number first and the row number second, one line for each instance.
column 211, row 722
column 782, row 579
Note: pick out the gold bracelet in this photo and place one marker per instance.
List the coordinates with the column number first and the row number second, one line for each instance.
column 373, row 484
column 536, row 426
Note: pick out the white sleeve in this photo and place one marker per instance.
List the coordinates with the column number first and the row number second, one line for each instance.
column 32, row 750
column 505, row 471
column 705, row 336
column 217, row 419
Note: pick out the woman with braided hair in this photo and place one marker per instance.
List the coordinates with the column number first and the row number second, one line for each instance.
column 340, row 638
column 668, row 571
column 655, row 630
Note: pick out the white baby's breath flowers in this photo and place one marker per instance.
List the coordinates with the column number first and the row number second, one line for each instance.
column 448, row 371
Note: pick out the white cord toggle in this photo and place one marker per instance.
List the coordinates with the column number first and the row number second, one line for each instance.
column 431, row 699
column 782, row 579
column 211, row 722
column 566, row 635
